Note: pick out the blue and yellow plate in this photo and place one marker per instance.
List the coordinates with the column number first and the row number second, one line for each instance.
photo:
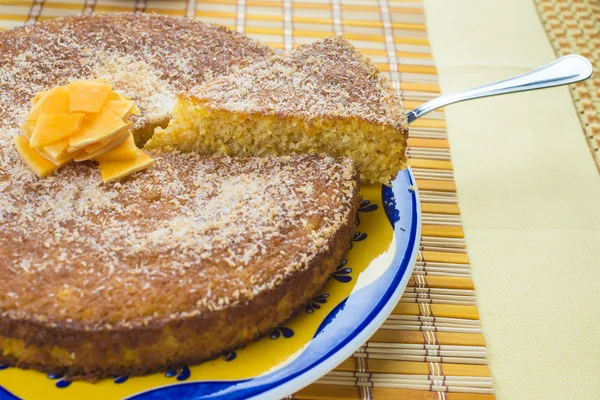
column 359, row 296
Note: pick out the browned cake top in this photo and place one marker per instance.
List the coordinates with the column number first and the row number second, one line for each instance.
column 327, row 78
column 148, row 57
column 191, row 235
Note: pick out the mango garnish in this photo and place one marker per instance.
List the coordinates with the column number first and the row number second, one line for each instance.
column 38, row 164
column 112, row 170
column 84, row 120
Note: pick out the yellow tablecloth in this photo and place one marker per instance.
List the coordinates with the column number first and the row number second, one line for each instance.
column 530, row 197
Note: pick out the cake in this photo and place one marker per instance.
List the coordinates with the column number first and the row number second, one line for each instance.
column 149, row 58
column 169, row 266
column 323, row 98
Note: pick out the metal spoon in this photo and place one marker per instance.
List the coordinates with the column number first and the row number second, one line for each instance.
column 568, row 69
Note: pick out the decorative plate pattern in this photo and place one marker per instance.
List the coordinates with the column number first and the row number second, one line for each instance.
column 359, row 296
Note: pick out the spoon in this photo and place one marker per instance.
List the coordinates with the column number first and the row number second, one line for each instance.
column 568, row 69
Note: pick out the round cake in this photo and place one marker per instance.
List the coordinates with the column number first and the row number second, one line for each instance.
column 170, row 266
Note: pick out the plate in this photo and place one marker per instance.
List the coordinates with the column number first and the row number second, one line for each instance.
column 357, row 299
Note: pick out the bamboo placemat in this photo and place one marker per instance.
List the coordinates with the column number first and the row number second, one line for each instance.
column 432, row 346
column 573, row 26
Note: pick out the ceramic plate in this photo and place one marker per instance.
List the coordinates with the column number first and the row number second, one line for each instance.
column 359, row 296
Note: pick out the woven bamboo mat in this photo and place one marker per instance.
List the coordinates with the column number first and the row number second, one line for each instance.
column 573, row 26
column 432, row 346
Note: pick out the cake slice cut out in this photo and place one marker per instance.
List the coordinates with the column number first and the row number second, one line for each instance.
column 323, row 98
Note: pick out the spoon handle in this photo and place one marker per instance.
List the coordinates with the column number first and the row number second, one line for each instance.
column 565, row 70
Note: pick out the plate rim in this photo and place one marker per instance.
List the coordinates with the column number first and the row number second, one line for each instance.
column 313, row 374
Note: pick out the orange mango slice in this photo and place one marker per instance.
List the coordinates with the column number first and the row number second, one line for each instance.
column 52, row 127
column 117, row 137
column 84, row 155
column 112, row 170
column 38, row 164
column 124, row 151
column 57, row 149
column 55, row 101
column 121, row 108
column 115, row 96
column 27, row 128
column 59, row 162
column 88, row 96
column 38, row 96
column 96, row 128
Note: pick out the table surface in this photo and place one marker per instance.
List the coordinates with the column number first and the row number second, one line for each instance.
column 529, row 193
column 528, row 190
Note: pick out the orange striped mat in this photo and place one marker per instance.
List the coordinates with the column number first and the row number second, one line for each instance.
column 573, row 27
column 431, row 347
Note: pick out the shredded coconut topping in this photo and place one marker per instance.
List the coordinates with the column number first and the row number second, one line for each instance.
column 327, row 78
column 191, row 235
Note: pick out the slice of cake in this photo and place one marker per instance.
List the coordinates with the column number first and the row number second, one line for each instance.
column 323, row 98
